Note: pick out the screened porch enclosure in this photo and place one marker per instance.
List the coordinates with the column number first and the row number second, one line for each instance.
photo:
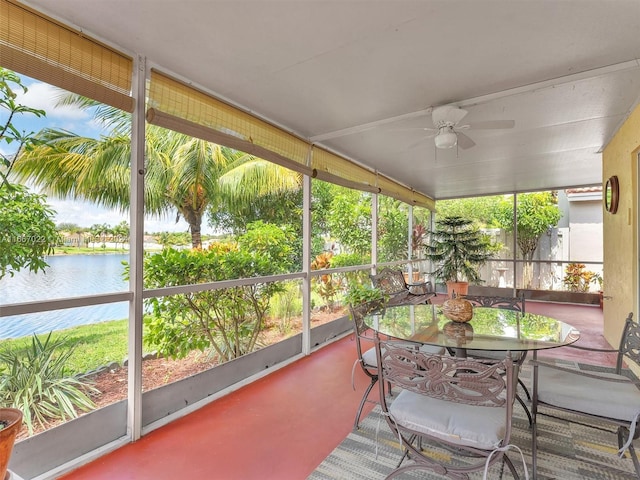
column 51, row 47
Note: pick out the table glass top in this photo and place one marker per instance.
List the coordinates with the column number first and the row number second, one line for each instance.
column 489, row 329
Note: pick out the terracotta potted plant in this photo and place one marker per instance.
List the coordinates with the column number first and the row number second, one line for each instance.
column 458, row 249
column 10, row 425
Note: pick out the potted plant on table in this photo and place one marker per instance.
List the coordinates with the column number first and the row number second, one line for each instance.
column 458, row 249
column 359, row 293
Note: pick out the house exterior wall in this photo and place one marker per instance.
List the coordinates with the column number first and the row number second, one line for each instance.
column 620, row 230
column 585, row 227
column 576, row 238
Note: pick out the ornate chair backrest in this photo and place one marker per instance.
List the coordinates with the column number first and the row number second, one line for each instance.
column 486, row 383
column 357, row 315
column 506, row 303
column 629, row 343
column 391, row 282
column 422, row 288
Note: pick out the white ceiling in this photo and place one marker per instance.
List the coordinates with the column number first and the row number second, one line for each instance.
column 358, row 76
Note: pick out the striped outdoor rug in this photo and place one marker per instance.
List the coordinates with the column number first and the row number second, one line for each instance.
column 566, row 451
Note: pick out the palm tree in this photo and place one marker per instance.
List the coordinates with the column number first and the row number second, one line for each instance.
column 250, row 177
column 121, row 233
column 182, row 173
column 256, row 189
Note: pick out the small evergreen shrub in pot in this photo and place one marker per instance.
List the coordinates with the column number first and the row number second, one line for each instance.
column 458, row 249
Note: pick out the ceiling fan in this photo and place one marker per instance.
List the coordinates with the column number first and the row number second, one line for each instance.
column 447, row 131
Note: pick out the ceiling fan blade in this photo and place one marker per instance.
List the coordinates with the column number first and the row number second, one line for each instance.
column 464, row 141
column 490, row 124
column 407, row 129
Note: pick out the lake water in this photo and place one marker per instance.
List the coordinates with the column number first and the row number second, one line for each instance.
column 66, row 276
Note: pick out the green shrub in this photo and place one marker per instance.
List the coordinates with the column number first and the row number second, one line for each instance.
column 228, row 320
column 285, row 305
column 36, row 381
column 347, row 260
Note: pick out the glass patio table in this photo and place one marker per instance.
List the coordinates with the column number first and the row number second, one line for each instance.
column 489, row 329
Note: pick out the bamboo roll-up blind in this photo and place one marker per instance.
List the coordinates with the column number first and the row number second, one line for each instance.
column 180, row 107
column 39, row 47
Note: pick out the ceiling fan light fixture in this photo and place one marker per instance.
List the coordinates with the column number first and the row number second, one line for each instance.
column 446, row 139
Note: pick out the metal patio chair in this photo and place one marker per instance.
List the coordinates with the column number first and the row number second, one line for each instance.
column 462, row 405
column 506, row 303
column 516, row 304
column 393, row 284
column 609, row 397
column 366, row 354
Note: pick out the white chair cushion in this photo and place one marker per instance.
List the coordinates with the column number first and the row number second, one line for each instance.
column 457, row 423
column 563, row 389
column 369, row 358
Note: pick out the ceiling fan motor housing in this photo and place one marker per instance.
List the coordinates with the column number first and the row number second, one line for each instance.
column 446, row 138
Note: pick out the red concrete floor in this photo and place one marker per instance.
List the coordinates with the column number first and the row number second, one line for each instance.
column 589, row 321
column 279, row 427
column 282, row 426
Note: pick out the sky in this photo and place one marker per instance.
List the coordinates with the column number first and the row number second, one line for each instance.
column 44, row 97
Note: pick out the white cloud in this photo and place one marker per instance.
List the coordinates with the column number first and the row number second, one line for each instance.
column 45, row 97
column 85, row 214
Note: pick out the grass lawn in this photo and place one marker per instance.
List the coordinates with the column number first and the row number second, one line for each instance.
column 97, row 344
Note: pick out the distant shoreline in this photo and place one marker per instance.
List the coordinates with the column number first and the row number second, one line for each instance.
column 62, row 251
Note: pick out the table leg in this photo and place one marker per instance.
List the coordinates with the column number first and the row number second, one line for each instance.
column 534, row 412
column 460, row 352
